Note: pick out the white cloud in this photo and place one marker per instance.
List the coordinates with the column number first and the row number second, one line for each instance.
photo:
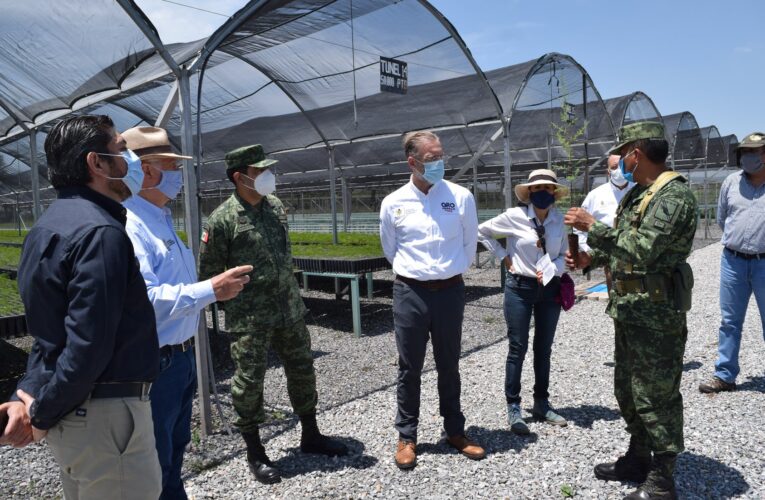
column 743, row 50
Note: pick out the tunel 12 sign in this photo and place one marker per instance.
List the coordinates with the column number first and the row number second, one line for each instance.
column 393, row 75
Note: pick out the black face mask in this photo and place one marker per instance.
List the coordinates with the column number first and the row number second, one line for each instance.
column 542, row 199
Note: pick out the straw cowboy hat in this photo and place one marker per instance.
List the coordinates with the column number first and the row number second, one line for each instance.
column 150, row 143
column 540, row 176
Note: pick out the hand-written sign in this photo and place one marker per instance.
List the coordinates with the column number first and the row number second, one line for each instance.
column 393, row 75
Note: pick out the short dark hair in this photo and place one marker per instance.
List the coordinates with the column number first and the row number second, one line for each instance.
column 230, row 172
column 655, row 150
column 68, row 145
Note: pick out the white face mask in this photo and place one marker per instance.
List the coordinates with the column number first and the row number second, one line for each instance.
column 264, row 184
column 617, row 178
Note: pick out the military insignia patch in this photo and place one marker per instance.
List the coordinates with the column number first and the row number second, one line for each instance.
column 666, row 211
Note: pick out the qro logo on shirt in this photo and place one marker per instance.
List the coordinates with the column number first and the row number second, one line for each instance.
column 447, row 206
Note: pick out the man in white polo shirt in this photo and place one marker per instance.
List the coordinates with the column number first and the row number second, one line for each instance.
column 602, row 201
column 428, row 230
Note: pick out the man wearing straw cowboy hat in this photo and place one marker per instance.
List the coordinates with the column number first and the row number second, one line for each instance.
column 646, row 251
column 169, row 270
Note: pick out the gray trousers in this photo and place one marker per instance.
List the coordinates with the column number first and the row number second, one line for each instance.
column 105, row 449
column 419, row 314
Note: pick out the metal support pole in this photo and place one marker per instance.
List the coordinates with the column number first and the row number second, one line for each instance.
column 508, row 171
column 332, row 204
column 193, row 227
column 35, row 174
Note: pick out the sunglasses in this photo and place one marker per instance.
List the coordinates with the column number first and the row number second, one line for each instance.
column 541, row 235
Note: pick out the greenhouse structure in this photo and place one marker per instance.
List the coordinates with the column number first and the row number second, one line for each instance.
column 328, row 88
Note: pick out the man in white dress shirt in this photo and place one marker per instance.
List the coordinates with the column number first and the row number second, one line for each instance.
column 428, row 230
column 169, row 270
column 602, row 201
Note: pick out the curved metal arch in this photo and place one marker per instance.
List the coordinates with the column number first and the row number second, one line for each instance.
column 545, row 59
column 631, row 99
column 463, row 47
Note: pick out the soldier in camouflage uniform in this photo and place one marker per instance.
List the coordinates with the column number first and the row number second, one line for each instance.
column 251, row 227
column 646, row 250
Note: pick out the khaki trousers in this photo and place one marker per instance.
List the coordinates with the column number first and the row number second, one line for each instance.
column 105, row 449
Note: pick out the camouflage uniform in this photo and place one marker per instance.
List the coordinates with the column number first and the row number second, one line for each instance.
column 269, row 311
column 650, row 331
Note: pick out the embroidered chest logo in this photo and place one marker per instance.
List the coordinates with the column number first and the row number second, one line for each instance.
column 447, row 206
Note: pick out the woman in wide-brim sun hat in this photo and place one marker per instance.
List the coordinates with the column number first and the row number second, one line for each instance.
column 532, row 230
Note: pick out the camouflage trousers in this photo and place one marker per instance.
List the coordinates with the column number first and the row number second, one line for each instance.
column 249, row 351
column 648, row 366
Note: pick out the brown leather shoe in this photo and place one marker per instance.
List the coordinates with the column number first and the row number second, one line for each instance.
column 467, row 447
column 716, row 385
column 406, row 454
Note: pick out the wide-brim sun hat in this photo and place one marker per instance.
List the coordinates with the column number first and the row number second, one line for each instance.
column 539, row 177
column 150, row 143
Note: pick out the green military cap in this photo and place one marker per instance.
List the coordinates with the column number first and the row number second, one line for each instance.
column 754, row 140
column 248, row 156
column 635, row 132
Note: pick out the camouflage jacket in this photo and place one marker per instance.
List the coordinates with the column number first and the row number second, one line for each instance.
column 656, row 244
column 236, row 234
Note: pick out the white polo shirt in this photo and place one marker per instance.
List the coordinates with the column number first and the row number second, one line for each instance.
column 429, row 236
column 602, row 203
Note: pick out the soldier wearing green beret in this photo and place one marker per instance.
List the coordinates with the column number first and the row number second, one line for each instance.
column 646, row 251
column 251, row 227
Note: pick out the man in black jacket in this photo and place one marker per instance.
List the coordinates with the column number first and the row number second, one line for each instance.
column 96, row 351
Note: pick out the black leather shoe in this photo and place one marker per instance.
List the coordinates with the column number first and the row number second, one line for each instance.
column 624, row 469
column 653, row 491
column 313, row 441
column 260, row 466
column 264, row 473
column 323, row 445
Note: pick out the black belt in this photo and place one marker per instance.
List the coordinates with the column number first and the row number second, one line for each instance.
column 121, row 390
column 182, row 347
column 432, row 284
column 747, row 256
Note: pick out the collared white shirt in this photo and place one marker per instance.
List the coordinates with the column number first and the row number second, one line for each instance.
column 429, row 236
column 602, row 203
column 517, row 225
column 169, row 270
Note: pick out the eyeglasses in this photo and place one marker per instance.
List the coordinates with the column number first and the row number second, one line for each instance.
column 428, row 160
column 541, row 235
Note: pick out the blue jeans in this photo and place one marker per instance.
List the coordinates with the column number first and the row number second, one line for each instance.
column 739, row 278
column 524, row 296
column 171, row 397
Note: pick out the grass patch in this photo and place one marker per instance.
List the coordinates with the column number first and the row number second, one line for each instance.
column 10, row 302
column 12, row 236
column 350, row 245
column 10, row 256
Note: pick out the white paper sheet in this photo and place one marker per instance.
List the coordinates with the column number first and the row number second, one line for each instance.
column 547, row 267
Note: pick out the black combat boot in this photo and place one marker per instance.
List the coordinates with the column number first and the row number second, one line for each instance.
column 313, row 441
column 633, row 466
column 660, row 483
column 260, row 466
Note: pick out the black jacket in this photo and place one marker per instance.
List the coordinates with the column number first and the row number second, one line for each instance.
column 86, row 305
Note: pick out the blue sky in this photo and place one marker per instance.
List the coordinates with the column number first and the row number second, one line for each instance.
column 702, row 56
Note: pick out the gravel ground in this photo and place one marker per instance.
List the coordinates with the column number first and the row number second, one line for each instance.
column 724, row 436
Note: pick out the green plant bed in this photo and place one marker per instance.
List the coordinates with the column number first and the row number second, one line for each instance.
column 10, row 302
column 12, row 236
column 350, row 245
column 10, row 256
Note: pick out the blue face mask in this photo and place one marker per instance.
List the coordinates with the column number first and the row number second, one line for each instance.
column 542, row 199
column 171, row 183
column 133, row 179
column 751, row 163
column 627, row 175
column 434, row 171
